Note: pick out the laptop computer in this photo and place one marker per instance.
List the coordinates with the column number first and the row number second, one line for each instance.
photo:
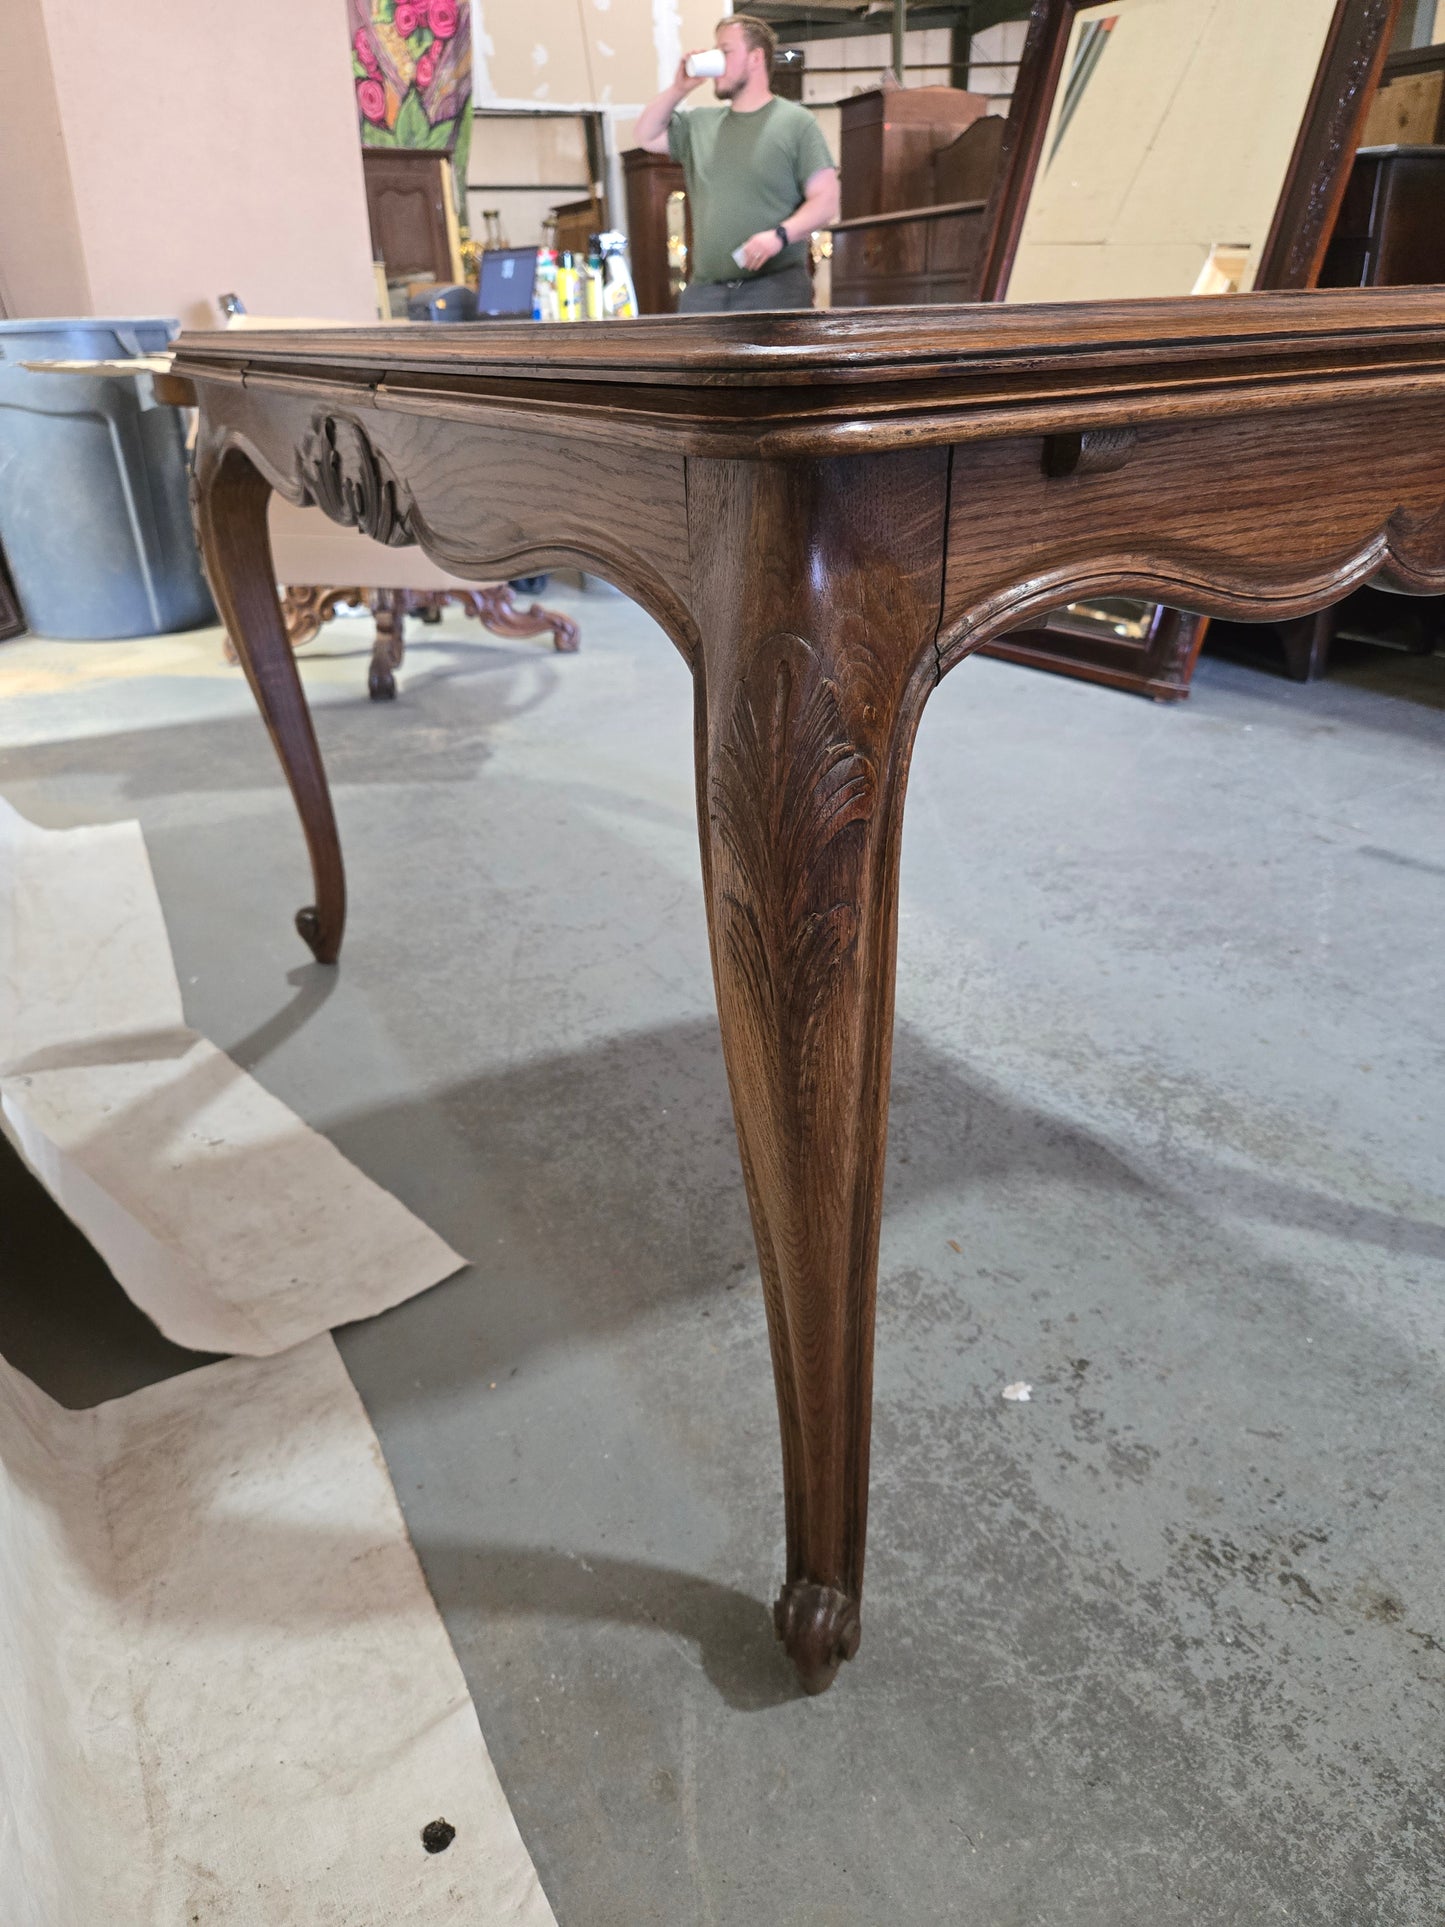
column 504, row 287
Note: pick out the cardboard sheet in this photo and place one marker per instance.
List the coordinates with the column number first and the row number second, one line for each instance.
column 226, row 1698
column 84, row 956
column 231, row 1223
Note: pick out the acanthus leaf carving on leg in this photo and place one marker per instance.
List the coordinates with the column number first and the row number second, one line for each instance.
column 790, row 784
column 818, row 597
column 793, row 798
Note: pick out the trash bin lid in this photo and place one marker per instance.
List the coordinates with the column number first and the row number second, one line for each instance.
column 86, row 336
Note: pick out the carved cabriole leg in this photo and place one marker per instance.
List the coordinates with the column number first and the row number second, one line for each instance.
column 817, row 588
column 231, row 517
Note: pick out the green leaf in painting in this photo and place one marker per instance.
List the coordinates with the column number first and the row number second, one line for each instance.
column 377, row 136
column 358, row 72
column 439, row 138
column 412, row 125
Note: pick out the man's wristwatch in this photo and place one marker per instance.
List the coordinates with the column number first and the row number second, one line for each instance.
column 782, row 234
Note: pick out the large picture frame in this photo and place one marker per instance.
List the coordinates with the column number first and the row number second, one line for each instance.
column 1147, row 648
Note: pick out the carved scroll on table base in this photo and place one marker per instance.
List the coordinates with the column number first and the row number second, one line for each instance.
column 306, row 609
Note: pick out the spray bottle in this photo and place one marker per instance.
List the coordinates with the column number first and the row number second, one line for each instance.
column 593, row 285
column 569, row 299
column 544, row 288
column 619, row 297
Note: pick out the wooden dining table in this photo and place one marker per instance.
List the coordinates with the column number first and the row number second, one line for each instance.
column 826, row 513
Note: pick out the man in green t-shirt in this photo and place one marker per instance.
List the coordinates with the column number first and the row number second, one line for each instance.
column 759, row 177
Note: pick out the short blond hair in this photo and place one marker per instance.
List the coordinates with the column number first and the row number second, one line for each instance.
column 757, row 33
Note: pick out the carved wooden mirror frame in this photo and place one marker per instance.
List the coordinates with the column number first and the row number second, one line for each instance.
column 1161, row 662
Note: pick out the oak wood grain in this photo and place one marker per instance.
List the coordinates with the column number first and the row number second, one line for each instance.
column 1255, row 546
column 582, row 505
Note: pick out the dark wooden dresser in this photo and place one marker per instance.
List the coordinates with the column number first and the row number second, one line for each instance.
column 922, row 254
column 887, row 142
column 650, row 179
column 918, row 164
column 409, row 201
column 1391, row 226
column 1390, row 232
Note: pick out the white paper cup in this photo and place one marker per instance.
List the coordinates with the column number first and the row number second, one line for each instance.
column 708, row 65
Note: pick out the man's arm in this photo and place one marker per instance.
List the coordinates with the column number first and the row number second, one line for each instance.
column 818, row 209
column 650, row 130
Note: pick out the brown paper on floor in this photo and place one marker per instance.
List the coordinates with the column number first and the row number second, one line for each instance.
column 228, row 1221
column 225, row 1694
column 84, row 954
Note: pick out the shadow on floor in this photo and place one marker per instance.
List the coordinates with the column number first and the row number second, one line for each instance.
column 64, row 1321
column 608, row 1180
column 733, row 1634
column 446, row 717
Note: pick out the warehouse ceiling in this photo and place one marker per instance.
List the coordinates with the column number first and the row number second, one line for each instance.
column 801, row 20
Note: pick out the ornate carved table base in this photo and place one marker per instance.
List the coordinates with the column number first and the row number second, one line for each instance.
column 828, row 513
column 495, row 608
column 305, row 610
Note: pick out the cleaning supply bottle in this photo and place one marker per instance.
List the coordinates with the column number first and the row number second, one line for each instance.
column 619, row 297
column 592, row 287
column 569, row 295
column 544, row 288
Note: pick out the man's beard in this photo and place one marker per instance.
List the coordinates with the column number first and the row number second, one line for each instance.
column 725, row 89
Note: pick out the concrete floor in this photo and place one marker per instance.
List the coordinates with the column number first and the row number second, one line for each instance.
column 1166, row 1644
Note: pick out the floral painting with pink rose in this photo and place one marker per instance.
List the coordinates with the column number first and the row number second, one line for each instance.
column 412, row 64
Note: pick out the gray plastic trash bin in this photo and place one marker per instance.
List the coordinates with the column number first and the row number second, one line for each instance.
column 94, row 510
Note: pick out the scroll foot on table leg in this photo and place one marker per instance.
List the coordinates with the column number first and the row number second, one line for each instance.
column 325, row 946
column 819, row 1627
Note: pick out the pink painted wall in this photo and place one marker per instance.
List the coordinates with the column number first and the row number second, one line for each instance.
column 42, row 265
column 209, row 149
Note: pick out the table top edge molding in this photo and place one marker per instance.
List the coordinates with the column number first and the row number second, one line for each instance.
column 839, row 344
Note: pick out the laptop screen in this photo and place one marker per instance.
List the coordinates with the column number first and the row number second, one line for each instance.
column 505, row 283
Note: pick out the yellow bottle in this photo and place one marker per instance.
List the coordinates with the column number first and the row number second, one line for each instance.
column 569, row 294
column 619, row 298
